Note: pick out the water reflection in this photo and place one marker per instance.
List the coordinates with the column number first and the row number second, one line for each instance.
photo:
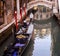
column 42, row 42
column 29, row 49
column 42, row 30
column 46, row 40
column 42, row 46
column 55, row 50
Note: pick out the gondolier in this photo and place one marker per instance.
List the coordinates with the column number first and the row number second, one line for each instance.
column 31, row 16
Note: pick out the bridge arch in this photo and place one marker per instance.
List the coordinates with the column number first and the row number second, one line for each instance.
column 36, row 3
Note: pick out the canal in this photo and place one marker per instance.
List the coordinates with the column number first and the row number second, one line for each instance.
column 46, row 39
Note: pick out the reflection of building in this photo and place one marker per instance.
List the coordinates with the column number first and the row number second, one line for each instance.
column 42, row 29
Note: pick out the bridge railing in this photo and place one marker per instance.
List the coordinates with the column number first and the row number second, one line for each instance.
column 41, row 2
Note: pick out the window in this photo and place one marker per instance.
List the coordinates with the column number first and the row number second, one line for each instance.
column 44, row 9
column 1, row 12
column 15, row 5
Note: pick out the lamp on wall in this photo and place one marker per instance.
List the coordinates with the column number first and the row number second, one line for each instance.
column 35, row 7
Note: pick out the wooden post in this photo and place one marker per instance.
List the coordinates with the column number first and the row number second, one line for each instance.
column 18, row 10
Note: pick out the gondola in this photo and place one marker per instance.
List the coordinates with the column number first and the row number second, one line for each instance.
column 20, row 44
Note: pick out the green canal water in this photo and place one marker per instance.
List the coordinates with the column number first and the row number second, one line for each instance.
column 46, row 39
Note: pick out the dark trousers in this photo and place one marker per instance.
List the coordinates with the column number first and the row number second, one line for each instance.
column 30, row 19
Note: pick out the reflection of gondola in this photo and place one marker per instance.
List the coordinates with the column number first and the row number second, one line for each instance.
column 22, row 40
